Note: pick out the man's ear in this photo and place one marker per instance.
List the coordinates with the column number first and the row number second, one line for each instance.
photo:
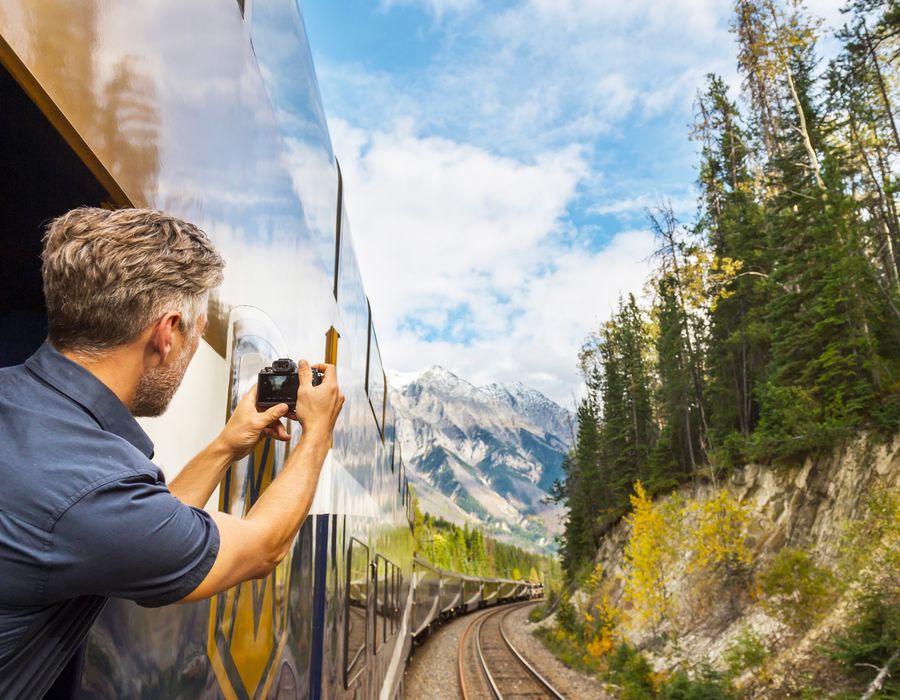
column 163, row 335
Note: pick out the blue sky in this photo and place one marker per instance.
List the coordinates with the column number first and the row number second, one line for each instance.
column 498, row 159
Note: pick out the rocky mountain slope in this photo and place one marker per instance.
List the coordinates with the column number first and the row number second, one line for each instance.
column 483, row 455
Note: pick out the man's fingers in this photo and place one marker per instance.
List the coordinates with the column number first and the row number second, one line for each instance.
column 304, row 373
column 330, row 371
column 275, row 412
column 277, row 432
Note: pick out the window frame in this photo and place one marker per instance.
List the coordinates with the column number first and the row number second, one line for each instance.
column 354, row 668
column 381, row 401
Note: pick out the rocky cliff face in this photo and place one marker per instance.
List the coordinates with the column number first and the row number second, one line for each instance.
column 807, row 508
column 486, row 455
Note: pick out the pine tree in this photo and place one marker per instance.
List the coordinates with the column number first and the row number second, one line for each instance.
column 680, row 288
column 676, row 454
column 588, row 491
column 733, row 223
column 628, row 431
column 826, row 373
column 775, row 325
column 866, row 135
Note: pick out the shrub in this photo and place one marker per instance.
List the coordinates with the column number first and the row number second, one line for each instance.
column 872, row 543
column 630, row 670
column 566, row 616
column 707, row 684
column 870, row 640
column 747, row 651
column 602, row 621
column 796, row 589
column 553, row 596
column 537, row 613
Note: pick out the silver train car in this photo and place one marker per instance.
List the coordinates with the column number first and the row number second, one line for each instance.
column 440, row 594
column 427, row 597
column 471, row 593
column 211, row 111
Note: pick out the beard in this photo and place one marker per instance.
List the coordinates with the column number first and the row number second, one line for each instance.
column 158, row 385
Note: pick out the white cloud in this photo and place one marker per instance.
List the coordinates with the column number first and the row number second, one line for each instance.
column 438, row 8
column 540, row 74
column 443, row 227
column 464, row 241
column 684, row 205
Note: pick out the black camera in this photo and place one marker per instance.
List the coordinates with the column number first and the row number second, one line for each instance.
column 279, row 383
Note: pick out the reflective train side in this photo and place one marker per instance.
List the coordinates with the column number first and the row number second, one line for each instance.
column 210, row 109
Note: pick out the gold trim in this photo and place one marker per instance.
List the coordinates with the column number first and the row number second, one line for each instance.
column 331, row 346
column 331, row 353
column 26, row 80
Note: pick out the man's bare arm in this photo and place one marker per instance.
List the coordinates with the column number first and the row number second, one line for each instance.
column 252, row 547
column 195, row 483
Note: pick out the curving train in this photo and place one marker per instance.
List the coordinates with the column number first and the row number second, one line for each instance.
column 210, row 109
column 439, row 594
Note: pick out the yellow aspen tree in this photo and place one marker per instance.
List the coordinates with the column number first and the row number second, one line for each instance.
column 721, row 533
column 649, row 553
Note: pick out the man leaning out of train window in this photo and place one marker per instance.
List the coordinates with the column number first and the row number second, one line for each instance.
column 84, row 513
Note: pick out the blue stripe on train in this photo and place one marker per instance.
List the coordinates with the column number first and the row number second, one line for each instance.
column 318, row 629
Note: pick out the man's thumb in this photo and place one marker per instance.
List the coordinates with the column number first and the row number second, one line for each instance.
column 276, row 412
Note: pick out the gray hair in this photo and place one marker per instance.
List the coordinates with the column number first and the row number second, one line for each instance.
column 110, row 274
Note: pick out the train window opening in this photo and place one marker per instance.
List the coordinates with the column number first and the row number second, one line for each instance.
column 42, row 179
column 357, row 618
column 381, row 567
column 384, row 403
column 390, row 428
column 375, row 379
column 395, row 599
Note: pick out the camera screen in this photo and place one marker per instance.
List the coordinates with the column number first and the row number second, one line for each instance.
column 278, row 387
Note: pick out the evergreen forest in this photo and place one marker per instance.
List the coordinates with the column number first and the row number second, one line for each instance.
column 770, row 328
column 467, row 551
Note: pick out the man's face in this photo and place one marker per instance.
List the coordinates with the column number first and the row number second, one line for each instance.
column 157, row 387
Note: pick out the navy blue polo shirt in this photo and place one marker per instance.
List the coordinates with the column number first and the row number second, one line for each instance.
column 84, row 515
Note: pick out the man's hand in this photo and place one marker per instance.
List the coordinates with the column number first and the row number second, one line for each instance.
column 317, row 406
column 251, row 547
column 247, row 426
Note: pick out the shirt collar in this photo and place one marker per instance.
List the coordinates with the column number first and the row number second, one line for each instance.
column 87, row 391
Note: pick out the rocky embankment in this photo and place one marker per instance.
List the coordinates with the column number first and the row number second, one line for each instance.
column 717, row 612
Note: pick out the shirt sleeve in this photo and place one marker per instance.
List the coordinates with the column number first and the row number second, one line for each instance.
column 131, row 538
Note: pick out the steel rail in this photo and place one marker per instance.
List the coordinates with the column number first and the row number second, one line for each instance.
column 531, row 669
column 495, row 690
column 461, row 654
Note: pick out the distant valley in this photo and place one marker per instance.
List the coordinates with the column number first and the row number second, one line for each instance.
column 483, row 455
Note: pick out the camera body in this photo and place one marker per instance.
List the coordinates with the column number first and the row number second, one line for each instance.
column 279, row 383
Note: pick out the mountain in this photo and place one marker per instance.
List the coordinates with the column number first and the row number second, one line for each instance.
column 484, row 455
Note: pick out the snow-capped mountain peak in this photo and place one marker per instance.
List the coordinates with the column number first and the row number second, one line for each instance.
column 486, row 454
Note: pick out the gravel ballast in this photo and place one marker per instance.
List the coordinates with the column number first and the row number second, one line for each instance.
column 432, row 672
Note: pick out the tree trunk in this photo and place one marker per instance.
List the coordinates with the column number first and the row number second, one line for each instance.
column 886, row 251
column 804, row 132
column 880, row 81
column 885, row 671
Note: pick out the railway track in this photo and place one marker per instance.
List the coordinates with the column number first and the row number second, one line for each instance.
column 490, row 666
